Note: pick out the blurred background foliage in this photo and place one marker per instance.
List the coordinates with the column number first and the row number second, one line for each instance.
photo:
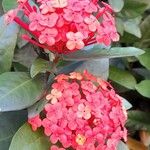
column 131, row 75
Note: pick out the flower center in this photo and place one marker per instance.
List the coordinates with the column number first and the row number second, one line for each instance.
column 80, row 139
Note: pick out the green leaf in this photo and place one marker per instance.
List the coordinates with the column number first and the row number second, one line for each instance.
column 145, row 59
column 133, row 8
column 122, row 77
column 120, row 25
column 145, row 40
column 98, row 67
column 9, row 4
column 25, row 55
column 9, row 124
column 18, row 91
column 20, row 41
column 142, row 72
column 19, row 67
column 26, row 139
column 35, row 109
column 129, row 39
column 138, row 120
column 69, row 67
column 132, row 26
column 39, row 65
column 145, row 26
column 116, row 5
column 97, row 52
column 126, row 104
column 144, row 88
column 8, row 38
column 122, row 146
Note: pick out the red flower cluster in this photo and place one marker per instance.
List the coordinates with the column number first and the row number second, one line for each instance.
column 64, row 26
column 83, row 113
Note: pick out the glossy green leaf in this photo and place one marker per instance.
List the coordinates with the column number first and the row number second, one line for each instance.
column 97, row 52
column 116, row 5
column 9, row 4
column 122, row 77
column 134, row 8
column 145, row 40
column 8, row 38
column 20, row 41
column 145, row 59
column 71, row 66
column 19, row 67
column 25, row 55
column 39, row 65
column 129, row 39
column 132, row 26
column 18, row 91
column 9, row 124
column 142, row 72
column 122, row 146
column 145, row 26
column 35, row 109
column 144, row 88
column 138, row 120
column 26, row 139
column 120, row 25
column 98, row 67
column 126, row 104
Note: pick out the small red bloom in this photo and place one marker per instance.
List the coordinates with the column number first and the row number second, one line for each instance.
column 35, row 122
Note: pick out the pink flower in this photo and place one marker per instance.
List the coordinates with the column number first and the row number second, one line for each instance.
column 55, row 94
column 76, row 75
column 78, row 5
column 49, row 20
column 75, row 40
column 46, row 7
column 92, row 23
column 9, row 17
column 35, row 25
column 91, row 8
column 83, row 28
column 21, row 1
column 59, row 4
column 88, row 86
column 56, row 148
column 46, row 123
column 61, row 77
column 70, row 15
column 88, row 116
column 78, row 23
column 84, row 111
column 48, row 36
column 107, row 32
column 35, row 122
column 54, row 112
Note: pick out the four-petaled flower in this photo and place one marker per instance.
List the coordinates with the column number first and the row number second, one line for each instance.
column 48, row 36
column 75, row 40
column 35, row 122
column 55, row 94
column 84, row 111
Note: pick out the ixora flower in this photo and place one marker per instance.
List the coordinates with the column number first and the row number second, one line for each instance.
column 64, row 26
column 83, row 113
